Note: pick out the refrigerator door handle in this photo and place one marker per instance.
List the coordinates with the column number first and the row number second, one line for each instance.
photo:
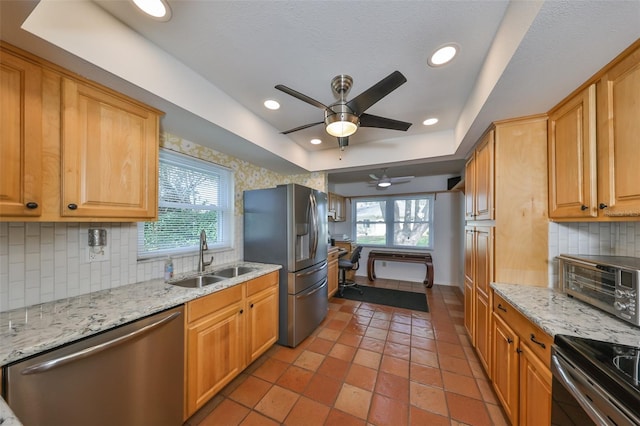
column 314, row 224
column 315, row 270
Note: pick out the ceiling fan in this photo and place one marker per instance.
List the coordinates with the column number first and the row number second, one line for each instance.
column 342, row 118
column 385, row 181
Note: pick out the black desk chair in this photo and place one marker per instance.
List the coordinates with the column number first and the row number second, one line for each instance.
column 350, row 264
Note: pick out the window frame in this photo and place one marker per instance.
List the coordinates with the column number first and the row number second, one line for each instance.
column 390, row 219
column 225, row 207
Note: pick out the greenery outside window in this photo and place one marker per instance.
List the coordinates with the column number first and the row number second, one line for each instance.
column 394, row 221
column 193, row 195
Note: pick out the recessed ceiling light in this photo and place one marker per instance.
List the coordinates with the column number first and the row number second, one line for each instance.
column 157, row 9
column 430, row 121
column 443, row 55
column 271, row 104
column 316, row 141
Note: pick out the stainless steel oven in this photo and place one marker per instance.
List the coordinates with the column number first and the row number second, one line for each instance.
column 594, row 383
column 606, row 282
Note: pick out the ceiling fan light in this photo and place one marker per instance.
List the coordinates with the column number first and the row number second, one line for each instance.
column 157, row 9
column 341, row 125
column 384, row 184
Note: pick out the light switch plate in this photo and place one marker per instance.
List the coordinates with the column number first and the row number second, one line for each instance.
column 97, row 254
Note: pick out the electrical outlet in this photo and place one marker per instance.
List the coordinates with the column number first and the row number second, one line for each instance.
column 384, row 264
column 97, row 254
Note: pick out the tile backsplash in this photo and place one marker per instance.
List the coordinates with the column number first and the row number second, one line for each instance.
column 605, row 238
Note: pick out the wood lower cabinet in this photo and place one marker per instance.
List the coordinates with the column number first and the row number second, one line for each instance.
column 72, row 150
column 332, row 271
column 521, row 375
column 21, row 136
column 225, row 332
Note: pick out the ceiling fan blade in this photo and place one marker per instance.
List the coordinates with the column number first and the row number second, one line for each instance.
column 368, row 120
column 374, row 177
column 402, row 179
column 295, row 129
column 364, row 100
column 301, row 96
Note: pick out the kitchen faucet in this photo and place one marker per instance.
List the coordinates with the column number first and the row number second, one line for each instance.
column 203, row 246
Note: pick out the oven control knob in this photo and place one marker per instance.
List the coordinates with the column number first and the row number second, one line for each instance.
column 619, row 306
column 619, row 294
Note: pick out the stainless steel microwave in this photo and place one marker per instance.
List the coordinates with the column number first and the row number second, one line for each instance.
column 606, row 282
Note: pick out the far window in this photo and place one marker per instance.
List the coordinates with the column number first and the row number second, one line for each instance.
column 193, row 195
column 396, row 221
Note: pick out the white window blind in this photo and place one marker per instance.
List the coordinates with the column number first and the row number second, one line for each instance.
column 193, row 195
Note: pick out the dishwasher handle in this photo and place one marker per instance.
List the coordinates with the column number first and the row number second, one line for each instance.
column 60, row 361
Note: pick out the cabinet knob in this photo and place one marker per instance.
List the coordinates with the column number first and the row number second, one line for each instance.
column 31, row 205
column 241, row 311
column 602, row 206
column 252, row 306
column 509, row 340
column 583, row 207
column 518, row 350
column 72, row 206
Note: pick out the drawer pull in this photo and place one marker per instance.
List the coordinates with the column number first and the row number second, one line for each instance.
column 31, row 205
column 518, row 350
column 509, row 340
column 72, row 206
column 583, row 207
column 602, row 206
column 502, row 308
column 533, row 339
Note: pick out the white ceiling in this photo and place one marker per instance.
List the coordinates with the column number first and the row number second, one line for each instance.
column 214, row 63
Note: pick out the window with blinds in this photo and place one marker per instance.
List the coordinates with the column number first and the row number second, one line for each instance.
column 193, row 195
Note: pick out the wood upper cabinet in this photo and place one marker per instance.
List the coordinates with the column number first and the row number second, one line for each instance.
column 21, row 136
column 618, row 147
column 109, row 155
column 572, row 157
column 337, row 206
column 593, row 146
column 479, row 172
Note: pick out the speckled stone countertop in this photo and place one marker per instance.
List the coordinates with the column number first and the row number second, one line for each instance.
column 556, row 313
column 34, row 329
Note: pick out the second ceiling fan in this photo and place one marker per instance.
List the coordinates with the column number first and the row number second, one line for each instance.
column 385, row 181
column 343, row 117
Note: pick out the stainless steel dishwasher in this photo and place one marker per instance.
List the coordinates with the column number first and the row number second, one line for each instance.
column 130, row 375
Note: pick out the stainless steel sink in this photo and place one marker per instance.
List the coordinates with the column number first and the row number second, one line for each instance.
column 200, row 281
column 232, row 272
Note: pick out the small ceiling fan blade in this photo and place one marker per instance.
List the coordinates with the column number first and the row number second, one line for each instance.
column 368, row 120
column 401, row 179
column 295, row 129
column 374, row 177
column 301, row 96
column 364, row 100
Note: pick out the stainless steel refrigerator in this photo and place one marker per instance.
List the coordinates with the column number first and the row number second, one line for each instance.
column 287, row 225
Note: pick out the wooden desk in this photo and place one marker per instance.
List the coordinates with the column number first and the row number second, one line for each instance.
column 399, row 256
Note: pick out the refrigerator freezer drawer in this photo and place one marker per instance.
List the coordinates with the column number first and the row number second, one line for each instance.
column 306, row 312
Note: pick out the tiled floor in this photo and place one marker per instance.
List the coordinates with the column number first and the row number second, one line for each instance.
column 367, row 364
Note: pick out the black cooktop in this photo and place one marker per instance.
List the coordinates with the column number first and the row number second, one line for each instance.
column 615, row 367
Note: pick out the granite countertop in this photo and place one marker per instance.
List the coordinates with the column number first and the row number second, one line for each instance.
column 556, row 313
column 34, row 329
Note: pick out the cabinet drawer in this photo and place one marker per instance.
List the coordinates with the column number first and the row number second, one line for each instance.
column 258, row 284
column 531, row 335
column 198, row 308
column 333, row 255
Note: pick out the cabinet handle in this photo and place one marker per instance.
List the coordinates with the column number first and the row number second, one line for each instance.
column 583, row 207
column 533, row 339
column 241, row 311
column 252, row 306
column 509, row 340
column 518, row 350
column 602, row 206
column 32, row 205
column 72, row 206
column 502, row 308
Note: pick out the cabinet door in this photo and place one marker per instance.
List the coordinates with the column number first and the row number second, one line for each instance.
column 572, row 157
column 469, row 296
column 262, row 320
column 483, row 332
column 215, row 354
column 483, row 248
column 332, row 275
column 535, row 389
column 470, row 189
column 109, row 155
column 484, row 178
column 21, row 136
column 504, row 368
column 619, row 127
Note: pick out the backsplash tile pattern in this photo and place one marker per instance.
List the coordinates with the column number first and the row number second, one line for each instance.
column 42, row 262
column 607, row 238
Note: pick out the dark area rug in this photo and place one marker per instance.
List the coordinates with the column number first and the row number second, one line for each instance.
column 388, row 297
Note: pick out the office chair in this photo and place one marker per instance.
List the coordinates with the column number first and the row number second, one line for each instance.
column 350, row 264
